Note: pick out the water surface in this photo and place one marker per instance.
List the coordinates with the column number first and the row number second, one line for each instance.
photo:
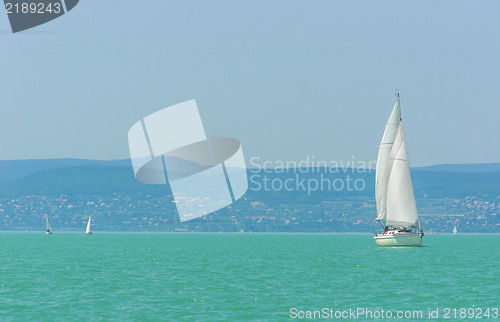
column 137, row 276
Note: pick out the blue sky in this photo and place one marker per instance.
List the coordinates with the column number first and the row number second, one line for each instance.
column 286, row 78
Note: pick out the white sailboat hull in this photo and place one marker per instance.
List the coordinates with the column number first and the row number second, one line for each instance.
column 399, row 239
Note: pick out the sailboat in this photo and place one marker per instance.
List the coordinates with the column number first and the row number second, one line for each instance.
column 394, row 190
column 87, row 231
column 47, row 225
column 454, row 230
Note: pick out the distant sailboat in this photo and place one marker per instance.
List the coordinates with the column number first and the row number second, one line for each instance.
column 394, row 190
column 87, row 231
column 454, row 230
column 47, row 225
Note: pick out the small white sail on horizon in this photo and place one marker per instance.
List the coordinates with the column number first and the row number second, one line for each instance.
column 87, row 231
column 454, row 230
column 47, row 225
column 395, row 199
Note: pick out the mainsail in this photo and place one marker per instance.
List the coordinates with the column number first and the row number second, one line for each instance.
column 401, row 205
column 393, row 188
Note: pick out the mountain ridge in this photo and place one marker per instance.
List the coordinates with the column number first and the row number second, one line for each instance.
column 15, row 169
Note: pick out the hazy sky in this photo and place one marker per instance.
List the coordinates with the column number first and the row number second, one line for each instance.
column 286, row 78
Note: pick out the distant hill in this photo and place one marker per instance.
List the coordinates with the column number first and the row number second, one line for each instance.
column 116, row 176
column 54, row 177
column 16, row 169
column 11, row 170
column 85, row 180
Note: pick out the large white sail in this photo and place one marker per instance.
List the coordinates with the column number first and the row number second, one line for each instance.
column 382, row 171
column 87, row 231
column 401, row 207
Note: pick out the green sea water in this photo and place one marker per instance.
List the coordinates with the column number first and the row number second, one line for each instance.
column 147, row 276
